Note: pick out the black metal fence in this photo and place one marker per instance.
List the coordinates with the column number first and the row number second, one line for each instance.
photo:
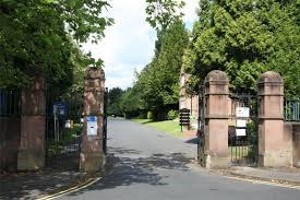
column 64, row 124
column 10, row 103
column 243, row 130
column 105, row 121
column 10, row 113
column 292, row 109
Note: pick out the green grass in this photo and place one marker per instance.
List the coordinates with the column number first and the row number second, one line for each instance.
column 169, row 126
column 239, row 151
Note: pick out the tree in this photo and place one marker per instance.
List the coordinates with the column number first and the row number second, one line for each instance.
column 114, row 99
column 162, row 13
column 285, row 57
column 156, row 89
column 131, row 103
column 159, row 79
column 245, row 38
column 41, row 37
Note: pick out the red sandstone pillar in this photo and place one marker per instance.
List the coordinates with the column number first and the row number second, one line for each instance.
column 31, row 154
column 274, row 149
column 216, row 120
column 92, row 157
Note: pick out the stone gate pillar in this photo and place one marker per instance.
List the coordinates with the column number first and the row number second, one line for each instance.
column 273, row 144
column 31, row 154
column 92, row 157
column 216, row 120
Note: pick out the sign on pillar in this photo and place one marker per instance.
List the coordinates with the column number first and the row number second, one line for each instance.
column 92, row 126
column 92, row 157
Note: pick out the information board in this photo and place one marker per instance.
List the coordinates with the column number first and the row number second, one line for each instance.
column 242, row 112
column 92, row 125
column 60, row 109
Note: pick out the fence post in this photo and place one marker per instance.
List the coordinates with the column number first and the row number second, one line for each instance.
column 31, row 154
column 273, row 144
column 216, row 120
column 92, row 157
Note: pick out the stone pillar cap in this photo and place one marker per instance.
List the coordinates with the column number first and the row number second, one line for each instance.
column 94, row 73
column 216, row 76
column 270, row 77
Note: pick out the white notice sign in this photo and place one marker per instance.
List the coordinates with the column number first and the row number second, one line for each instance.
column 240, row 132
column 242, row 112
column 92, row 125
column 241, row 123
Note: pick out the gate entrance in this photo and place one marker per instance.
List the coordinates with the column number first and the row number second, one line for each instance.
column 64, row 127
column 243, row 129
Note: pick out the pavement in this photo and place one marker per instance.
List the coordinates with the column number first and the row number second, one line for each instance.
column 286, row 176
column 135, row 168
column 34, row 185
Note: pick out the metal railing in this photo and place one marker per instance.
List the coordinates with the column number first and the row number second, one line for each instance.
column 292, row 109
column 10, row 103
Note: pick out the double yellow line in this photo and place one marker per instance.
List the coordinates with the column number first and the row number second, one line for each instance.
column 81, row 186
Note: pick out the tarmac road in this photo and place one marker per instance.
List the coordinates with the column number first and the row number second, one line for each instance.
column 151, row 165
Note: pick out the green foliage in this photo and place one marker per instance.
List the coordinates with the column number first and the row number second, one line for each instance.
column 244, row 39
column 156, row 89
column 162, row 13
column 131, row 103
column 157, row 84
column 39, row 35
column 172, row 114
column 114, row 101
column 150, row 115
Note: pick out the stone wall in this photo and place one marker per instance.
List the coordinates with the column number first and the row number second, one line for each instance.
column 292, row 138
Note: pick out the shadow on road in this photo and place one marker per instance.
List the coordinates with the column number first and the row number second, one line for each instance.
column 192, row 141
column 130, row 167
column 31, row 185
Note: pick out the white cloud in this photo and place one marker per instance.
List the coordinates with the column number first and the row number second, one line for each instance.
column 190, row 10
column 129, row 43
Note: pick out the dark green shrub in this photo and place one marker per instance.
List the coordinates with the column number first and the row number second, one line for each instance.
column 172, row 114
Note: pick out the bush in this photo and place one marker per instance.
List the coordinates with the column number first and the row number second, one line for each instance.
column 172, row 114
column 149, row 115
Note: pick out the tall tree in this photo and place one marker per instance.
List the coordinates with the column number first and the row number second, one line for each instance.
column 131, row 103
column 159, row 79
column 162, row 13
column 38, row 35
column 114, row 101
column 245, row 38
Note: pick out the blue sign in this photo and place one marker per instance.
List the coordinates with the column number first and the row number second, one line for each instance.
column 91, row 118
column 60, row 108
column 92, row 126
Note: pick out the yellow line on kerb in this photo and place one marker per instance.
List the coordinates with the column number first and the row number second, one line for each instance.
column 86, row 184
column 261, row 182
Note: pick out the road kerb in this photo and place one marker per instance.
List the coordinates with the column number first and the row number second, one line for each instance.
column 252, row 179
column 261, row 181
column 265, row 181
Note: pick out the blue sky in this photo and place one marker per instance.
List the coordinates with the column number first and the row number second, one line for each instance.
column 129, row 43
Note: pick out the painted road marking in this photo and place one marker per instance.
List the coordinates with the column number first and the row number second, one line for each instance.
column 71, row 190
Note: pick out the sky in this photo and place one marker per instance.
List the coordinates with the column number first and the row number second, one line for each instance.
column 128, row 45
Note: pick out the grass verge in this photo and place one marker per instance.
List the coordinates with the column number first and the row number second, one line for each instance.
column 170, row 127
